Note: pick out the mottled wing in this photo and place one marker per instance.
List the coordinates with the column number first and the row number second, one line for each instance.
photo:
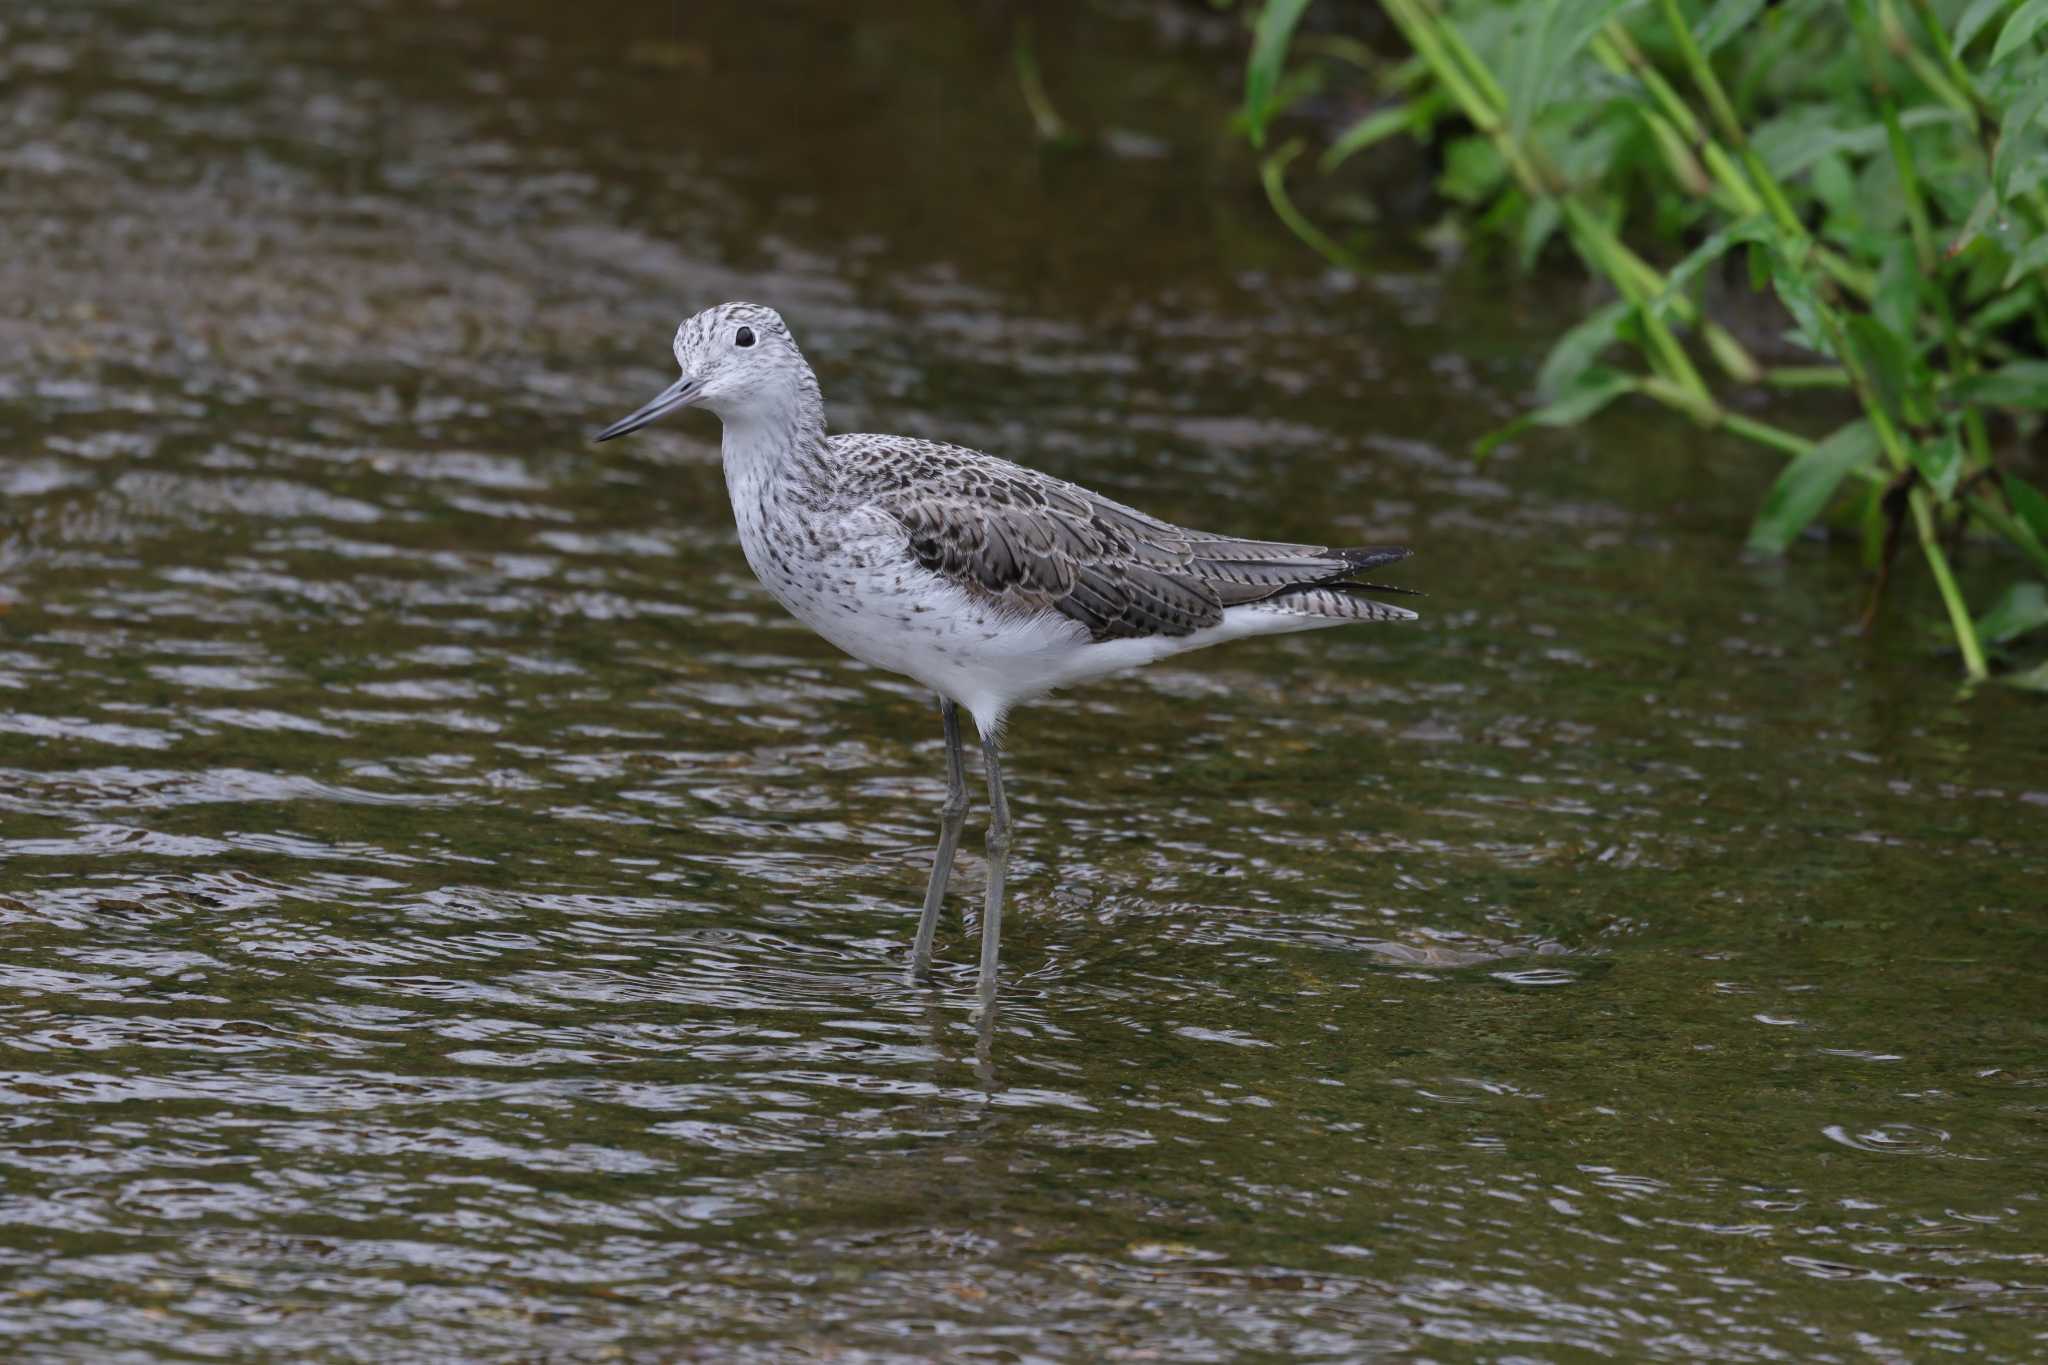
column 1037, row 543
column 1045, row 550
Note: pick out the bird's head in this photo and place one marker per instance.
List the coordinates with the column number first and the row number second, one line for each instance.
column 738, row 360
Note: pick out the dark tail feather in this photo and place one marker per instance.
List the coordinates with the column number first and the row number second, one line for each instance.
column 1359, row 560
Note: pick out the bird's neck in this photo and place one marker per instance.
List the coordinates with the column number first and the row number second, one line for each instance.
column 777, row 440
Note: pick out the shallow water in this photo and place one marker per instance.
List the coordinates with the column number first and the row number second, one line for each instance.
column 451, row 913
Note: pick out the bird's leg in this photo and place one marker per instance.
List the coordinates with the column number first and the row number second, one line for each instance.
column 998, row 868
column 950, row 817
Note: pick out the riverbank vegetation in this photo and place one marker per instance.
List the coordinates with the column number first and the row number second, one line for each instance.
column 1878, row 167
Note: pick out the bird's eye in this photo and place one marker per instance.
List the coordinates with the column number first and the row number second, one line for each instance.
column 743, row 337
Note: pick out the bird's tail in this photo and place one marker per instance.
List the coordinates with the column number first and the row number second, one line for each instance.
column 1306, row 584
column 1339, row 602
column 1342, row 596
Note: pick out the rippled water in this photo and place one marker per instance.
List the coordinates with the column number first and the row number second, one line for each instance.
column 450, row 912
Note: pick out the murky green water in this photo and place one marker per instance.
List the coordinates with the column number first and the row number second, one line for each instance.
column 450, row 913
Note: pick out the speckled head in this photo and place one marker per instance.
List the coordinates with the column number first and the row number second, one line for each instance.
column 738, row 360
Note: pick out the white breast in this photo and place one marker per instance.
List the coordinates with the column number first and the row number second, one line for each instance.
column 850, row 576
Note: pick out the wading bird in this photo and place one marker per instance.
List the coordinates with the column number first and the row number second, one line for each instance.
column 985, row 581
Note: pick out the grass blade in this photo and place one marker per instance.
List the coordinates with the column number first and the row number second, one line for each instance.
column 2024, row 608
column 1271, row 33
column 1377, row 126
column 1556, row 32
column 1979, row 14
column 1577, row 349
column 1273, row 175
column 2034, row 679
column 2026, row 21
column 1940, row 462
column 2028, row 505
column 1901, row 379
column 2017, row 384
column 1724, row 21
column 1806, row 484
column 1594, row 390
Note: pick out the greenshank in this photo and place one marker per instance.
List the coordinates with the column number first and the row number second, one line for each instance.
column 987, row 582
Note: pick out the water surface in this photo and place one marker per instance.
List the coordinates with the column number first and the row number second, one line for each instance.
column 452, row 913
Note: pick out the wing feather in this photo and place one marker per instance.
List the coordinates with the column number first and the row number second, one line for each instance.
column 1031, row 542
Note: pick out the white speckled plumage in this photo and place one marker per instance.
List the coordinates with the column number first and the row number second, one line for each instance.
column 985, row 581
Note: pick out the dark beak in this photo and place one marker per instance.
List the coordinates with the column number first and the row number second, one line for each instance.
column 680, row 394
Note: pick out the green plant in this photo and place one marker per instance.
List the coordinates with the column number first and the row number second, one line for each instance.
column 1883, row 165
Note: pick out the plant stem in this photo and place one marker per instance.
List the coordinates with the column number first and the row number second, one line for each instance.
column 1051, row 128
column 1471, row 85
column 1764, row 434
column 1703, row 75
column 1951, row 596
column 1807, row 377
column 1273, row 175
column 1600, row 247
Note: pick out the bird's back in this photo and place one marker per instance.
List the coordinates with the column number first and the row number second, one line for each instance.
column 1035, row 543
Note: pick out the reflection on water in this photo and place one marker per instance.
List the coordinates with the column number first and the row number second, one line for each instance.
column 447, row 903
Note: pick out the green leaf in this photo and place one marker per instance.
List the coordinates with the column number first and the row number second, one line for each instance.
column 1794, row 140
column 2012, row 131
column 2029, row 173
column 2026, row 21
column 2023, row 608
column 1759, row 266
column 1898, row 287
column 1724, row 21
column 1593, row 390
column 2034, row 679
column 1980, row 213
column 2016, row 384
column 1703, row 255
column 1835, row 187
column 1795, row 290
column 1807, row 482
column 1271, row 33
column 2031, row 257
column 2028, row 505
column 2001, row 309
column 1902, row 380
column 1980, row 13
column 1575, row 351
column 1940, row 461
column 1472, row 170
column 1538, row 226
column 1377, row 126
column 1548, row 41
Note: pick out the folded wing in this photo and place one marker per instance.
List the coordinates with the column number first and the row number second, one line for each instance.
column 1035, row 543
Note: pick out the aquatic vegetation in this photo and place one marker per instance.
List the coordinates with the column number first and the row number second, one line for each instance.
column 1880, row 165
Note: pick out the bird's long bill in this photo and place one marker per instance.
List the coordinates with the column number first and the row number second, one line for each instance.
column 677, row 395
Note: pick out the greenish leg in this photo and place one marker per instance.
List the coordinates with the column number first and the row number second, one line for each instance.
column 951, row 815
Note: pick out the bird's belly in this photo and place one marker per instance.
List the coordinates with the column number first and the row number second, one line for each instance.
column 871, row 599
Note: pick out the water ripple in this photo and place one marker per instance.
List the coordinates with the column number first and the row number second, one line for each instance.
column 451, row 911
